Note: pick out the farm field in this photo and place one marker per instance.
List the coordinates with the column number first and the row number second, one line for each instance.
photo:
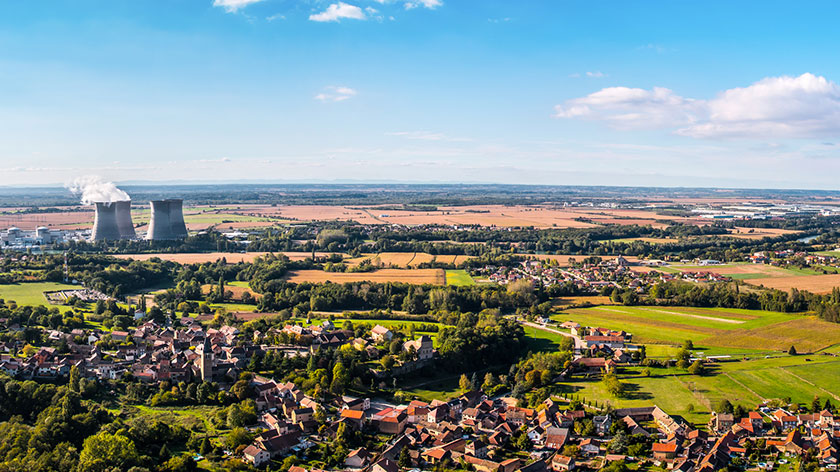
column 230, row 257
column 405, row 260
column 741, row 382
column 717, row 330
column 411, row 276
column 745, row 271
column 593, row 299
column 759, row 233
column 459, row 278
column 33, row 293
column 819, row 284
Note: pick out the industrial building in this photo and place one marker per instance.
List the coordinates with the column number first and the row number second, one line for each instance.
column 17, row 238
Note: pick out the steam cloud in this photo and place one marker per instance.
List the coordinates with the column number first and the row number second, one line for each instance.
column 93, row 188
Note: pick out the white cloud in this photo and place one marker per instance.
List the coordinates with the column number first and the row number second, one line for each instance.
column 430, row 4
column 232, row 6
column 628, row 108
column 335, row 93
column 807, row 106
column 337, row 11
column 275, row 17
column 596, row 74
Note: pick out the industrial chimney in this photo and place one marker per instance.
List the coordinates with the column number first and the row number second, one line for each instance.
column 124, row 222
column 167, row 220
column 105, row 226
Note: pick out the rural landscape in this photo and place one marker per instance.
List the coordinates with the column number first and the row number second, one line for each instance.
column 648, row 331
column 419, row 236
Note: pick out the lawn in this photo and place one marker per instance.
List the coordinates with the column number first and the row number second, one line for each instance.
column 542, row 340
column 32, row 293
column 459, row 278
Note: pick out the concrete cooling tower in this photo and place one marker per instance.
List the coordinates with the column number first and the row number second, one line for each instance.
column 167, row 220
column 124, row 223
column 105, row 226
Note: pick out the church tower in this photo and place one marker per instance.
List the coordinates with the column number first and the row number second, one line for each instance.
column 206, row 363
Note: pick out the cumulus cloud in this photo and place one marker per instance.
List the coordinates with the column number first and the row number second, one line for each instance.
column 807, row 106
column 335, row 93
column 337, row 11
column 430, row 4
column 232, row 6
column 629, row 108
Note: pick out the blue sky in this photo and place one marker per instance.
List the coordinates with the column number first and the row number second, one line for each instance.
column 549, row 92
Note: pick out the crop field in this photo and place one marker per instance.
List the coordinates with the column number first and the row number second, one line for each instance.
column 541, row 216
column 32, row 293
column 409, row 276
column 459, row 278
column 237, row 290
column 405, row 260
column 230, row 257
column 759, row 233
column 813, row 283
column 593, row 299
column 718, row 330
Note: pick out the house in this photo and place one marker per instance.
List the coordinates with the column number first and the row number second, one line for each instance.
column 476, row 449
column 664, row 451
column 385, row 465
column 555, row 438
column 721, row 422
column 590, row 446
column 358, row 458
column 393, row 423
column 602, row 424
column 256, row 456
column 354, row 418
column 561, row 463
column 381, row 334
column 423, row 346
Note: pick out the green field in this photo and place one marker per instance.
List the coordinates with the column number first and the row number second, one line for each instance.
column 458, row 278
column 741, row 382
column 32, row 293
column 718, row 330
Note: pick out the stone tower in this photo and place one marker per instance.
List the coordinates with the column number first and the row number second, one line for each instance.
column 206, row 363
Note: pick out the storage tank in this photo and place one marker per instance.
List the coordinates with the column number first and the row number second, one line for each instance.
column 105, row 224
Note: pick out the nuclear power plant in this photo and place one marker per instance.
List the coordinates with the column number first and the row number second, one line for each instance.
column 113, row 221
column 167, row 220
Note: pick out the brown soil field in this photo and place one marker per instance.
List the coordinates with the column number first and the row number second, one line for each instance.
column 230, row 257
column 406, row 259
column 763, row 269
column 758, row 233
column 808, row 334
column 411, row 276
column 594, row 299
column 819, row 284
column 236, row 291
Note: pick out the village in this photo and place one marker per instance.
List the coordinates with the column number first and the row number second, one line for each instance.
column 483, row 433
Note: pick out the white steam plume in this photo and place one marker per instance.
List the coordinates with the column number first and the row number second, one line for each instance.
column 93, row 188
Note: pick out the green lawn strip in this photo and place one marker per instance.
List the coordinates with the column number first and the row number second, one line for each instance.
column 775, row 383
column 458, row 278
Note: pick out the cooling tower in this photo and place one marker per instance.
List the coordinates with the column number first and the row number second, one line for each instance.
column 167, row 220
column 176, row 218
column 105, row 224
column 124, row 224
